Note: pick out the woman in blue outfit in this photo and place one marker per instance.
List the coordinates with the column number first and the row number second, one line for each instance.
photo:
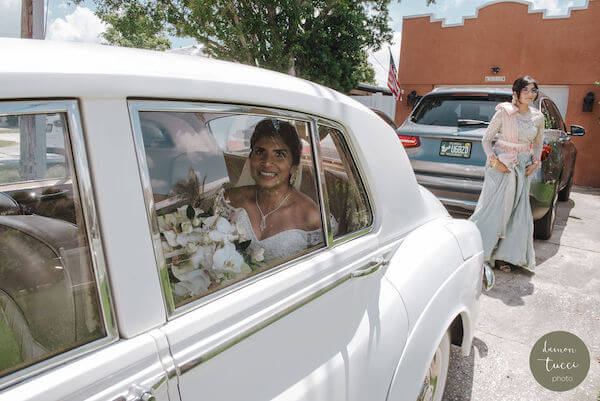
column 503, row 214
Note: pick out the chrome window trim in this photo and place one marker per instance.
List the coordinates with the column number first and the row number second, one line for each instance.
column 241, row 334
column 322, row 193
column 135, row 107
column 361, row 174
column 74, row 134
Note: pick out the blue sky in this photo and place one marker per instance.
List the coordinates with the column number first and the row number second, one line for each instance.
column 78, row 23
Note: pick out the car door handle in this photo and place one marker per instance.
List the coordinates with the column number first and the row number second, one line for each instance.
column 372, row 267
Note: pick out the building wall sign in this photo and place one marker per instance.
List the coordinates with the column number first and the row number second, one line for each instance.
column 495, row 79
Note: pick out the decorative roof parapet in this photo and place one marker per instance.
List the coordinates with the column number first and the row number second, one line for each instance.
column 530, row 10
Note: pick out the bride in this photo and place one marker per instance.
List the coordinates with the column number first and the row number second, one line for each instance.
column 280, row 219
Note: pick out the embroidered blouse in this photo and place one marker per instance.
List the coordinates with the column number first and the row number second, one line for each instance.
column 529, row 130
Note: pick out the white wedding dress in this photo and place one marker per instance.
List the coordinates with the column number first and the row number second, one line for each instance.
column 281, row 245
column 277, row 247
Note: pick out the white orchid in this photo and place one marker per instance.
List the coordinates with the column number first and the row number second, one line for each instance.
column 203, row 256
column 192, row 284
column 221, row 230
column 227, row 259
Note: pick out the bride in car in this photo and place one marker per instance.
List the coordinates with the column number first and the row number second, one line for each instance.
column 279, row 219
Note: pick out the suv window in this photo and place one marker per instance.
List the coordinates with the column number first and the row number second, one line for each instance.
column 347, row 199
column 207, row 189
column 450, row 110
column 48, row 296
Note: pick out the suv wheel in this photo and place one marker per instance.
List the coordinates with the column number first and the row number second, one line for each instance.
column 542, row 228
column 565, row 193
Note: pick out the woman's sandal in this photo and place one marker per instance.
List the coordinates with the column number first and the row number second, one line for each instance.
column 505, row 267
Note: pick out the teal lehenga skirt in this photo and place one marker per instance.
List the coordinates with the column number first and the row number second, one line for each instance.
column 503, row 216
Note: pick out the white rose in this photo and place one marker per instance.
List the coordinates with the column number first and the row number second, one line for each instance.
column 170, row 220
column 162, row 224
column 258, row 255
column 242, row 231
column 171, row 237
column 186, row 227
column 182, row 269
column 191, row 248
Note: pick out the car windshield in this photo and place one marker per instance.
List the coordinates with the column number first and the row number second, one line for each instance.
column 453, row 111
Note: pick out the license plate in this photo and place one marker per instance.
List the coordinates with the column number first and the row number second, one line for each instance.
column 455, row 149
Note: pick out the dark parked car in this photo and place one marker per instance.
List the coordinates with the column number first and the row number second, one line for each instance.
column 442, row 137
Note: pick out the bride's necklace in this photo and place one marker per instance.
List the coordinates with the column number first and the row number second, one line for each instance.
column 263, row 217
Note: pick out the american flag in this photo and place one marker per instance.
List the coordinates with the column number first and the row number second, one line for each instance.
column 393, row 79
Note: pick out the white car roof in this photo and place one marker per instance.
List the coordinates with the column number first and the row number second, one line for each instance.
column 99, row 73
column 64, row 69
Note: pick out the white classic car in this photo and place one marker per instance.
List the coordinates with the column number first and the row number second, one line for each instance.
column 133, row 265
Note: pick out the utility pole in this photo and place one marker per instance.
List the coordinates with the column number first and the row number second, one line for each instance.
column 32, row 127
column 33, row 19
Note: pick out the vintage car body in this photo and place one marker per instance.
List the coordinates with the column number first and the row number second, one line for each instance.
column 458, row 181
column 361, row 317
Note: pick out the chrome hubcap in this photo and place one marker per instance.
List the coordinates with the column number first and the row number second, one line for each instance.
column 431, row 378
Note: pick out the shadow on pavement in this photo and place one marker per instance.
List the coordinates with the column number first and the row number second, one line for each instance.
column 511, row 287
column 561, row 220
column 459, row 385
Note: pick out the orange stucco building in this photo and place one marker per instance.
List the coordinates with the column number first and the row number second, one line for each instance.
column 561, row 53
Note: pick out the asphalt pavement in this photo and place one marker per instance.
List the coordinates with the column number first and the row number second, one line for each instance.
column 563, row 294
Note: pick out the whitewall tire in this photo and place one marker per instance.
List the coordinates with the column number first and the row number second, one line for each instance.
column 437, row 373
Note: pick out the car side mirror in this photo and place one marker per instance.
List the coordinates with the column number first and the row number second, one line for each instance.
column 577, row 130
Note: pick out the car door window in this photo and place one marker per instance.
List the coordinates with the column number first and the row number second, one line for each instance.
column 206, row 193
column 551, row 121
column 346, row 197
column 557, row 116
column 49, row 303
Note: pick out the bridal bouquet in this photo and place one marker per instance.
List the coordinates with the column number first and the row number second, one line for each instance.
column 204, row 249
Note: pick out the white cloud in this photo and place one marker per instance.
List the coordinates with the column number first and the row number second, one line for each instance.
column 10, row 18
column 380, row 60
column 80, row 26
column 553, row 7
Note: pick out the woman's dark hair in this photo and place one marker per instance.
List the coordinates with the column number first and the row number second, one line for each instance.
column 274, row 128
column 521, row 83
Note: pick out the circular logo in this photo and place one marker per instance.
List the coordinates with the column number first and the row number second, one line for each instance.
column 559, row 361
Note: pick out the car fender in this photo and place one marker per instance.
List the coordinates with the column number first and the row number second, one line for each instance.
column 431, row 275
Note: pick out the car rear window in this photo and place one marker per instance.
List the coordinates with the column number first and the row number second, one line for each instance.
column 452, row 111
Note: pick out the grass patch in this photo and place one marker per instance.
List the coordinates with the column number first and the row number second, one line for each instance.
column 13, row 173
column 6, row 143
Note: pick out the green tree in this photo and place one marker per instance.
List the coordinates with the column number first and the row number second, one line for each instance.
column 325, row 41
column 137, row 25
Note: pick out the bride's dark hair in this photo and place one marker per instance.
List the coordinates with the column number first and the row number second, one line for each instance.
column 274, row 128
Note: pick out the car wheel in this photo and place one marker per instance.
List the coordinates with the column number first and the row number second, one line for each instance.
column 542, row 228
column 565, row 193
column 435, row 379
